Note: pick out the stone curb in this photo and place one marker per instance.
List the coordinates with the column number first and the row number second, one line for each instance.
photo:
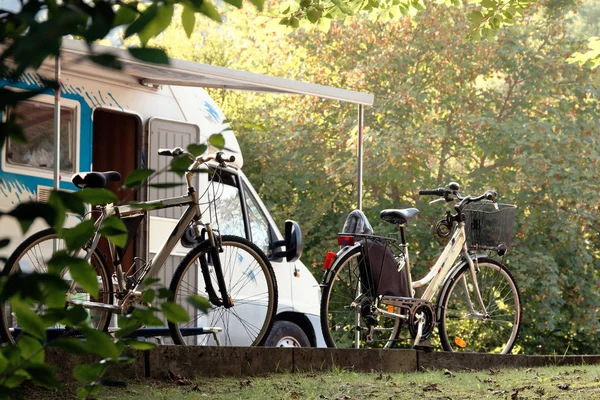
column 189, row 362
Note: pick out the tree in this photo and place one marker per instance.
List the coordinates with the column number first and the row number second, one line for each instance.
column 508, row 114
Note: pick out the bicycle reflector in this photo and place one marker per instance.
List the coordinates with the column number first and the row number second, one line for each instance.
column 329, row 259
column 345, row 240
column 460, row 342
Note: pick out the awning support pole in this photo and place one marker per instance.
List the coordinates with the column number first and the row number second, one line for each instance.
column 57, row 127
column 361, row 117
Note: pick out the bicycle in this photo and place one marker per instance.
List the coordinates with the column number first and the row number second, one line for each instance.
column 366, row 301
column 244, row 307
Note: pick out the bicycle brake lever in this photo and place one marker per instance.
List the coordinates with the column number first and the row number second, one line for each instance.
column 436, row 200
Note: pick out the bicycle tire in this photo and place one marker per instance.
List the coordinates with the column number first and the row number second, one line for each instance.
column 460, row 329
column 341, row 323
column 250, row 283
column 32, row 255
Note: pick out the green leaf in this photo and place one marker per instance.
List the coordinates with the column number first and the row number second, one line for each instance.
column 3, row 364
column 148, row 54
column 188, row 20
column 197, row 149
column 475, row 17
column 146, row 207
column 16, row 379
column 144, row 19
column 106, row 60
column 235, row 3
column 85, row 275
column 209, row 10
column 136, row 177
column 61, row 260
column 179, row 165
column 199, row 303
column 115, row 230
column 126, row 14
column 96, row 196
column 259, row 4
column 31, row 349
column 101, row 343
column 101, row 22
column 28, row 319
column 174, row 312
column 148, row 295
column 70, row 201
column 77, row 237
column 217, row 140
column 88, row 373
column 43, row 374
column 26, row 213
column 139, row 345
column 165, row 293
column 166, row 185
column 71, row 345
column 158, row 23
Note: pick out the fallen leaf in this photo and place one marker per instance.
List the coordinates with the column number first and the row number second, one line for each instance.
column 514, row 395
column 448, row 372
column 564, row 386
column 431, row 387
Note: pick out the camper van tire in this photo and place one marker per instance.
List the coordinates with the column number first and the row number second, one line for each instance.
column 287, row 334
column 251, row 285
column 32, row 256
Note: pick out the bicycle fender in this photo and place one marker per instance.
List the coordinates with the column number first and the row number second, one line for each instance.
column 451, row 275
column 339, row 256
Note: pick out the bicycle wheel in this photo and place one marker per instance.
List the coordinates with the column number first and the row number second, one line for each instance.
column 32, row 257
column 463, row 325
column 341, row 302
column 251, row 285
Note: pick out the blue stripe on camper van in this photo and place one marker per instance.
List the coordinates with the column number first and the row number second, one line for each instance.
column 17, row 184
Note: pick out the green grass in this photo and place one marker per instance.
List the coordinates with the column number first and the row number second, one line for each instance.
column 572, row 382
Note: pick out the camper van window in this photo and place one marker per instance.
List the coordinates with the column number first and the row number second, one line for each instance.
column 229, row 211
column 38, row 126
column 259, row 226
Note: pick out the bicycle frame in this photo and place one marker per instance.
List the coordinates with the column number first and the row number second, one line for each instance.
column 444, row 265
column 151, row 269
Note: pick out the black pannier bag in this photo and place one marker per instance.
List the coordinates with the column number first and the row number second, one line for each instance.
column 387, row 281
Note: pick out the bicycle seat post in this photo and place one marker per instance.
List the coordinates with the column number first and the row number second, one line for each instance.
column 404, row 246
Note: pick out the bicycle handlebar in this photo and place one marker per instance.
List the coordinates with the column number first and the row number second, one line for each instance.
column 452, row 194
column 433, row 192
column 219, row 156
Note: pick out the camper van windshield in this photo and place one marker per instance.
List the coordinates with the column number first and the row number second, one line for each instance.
column 38, row 126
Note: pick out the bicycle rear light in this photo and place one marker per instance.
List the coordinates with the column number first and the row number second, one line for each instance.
column 460, row 342
column 329, row 259
column 345, row 240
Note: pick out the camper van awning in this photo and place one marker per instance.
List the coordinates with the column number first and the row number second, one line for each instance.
column 186, row 73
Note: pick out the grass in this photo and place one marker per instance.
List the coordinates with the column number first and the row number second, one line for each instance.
column 572, row 382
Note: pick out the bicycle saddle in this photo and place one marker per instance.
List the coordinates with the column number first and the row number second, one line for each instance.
column 398, row 217
column 95, row 179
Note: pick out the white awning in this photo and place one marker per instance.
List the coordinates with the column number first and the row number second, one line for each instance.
column 186, row 73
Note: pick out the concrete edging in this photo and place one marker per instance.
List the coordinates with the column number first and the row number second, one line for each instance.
column 189, row 362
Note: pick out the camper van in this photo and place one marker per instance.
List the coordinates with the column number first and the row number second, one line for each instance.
column 117, row 120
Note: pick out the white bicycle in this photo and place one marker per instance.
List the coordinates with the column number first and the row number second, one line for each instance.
column 473, row 299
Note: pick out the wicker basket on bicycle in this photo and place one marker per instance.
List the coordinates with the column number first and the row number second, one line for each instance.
column 488, row 227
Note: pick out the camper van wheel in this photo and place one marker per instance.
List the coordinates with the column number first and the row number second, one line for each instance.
column 287, row 334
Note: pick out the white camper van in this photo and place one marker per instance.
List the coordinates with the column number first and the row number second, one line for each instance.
column 111, row 120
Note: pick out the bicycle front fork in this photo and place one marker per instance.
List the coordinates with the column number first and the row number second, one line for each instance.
column 215, row 249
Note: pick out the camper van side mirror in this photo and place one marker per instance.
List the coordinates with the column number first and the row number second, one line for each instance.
column 292, row 243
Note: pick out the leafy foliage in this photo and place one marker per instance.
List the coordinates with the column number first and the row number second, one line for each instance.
column 508, row 114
